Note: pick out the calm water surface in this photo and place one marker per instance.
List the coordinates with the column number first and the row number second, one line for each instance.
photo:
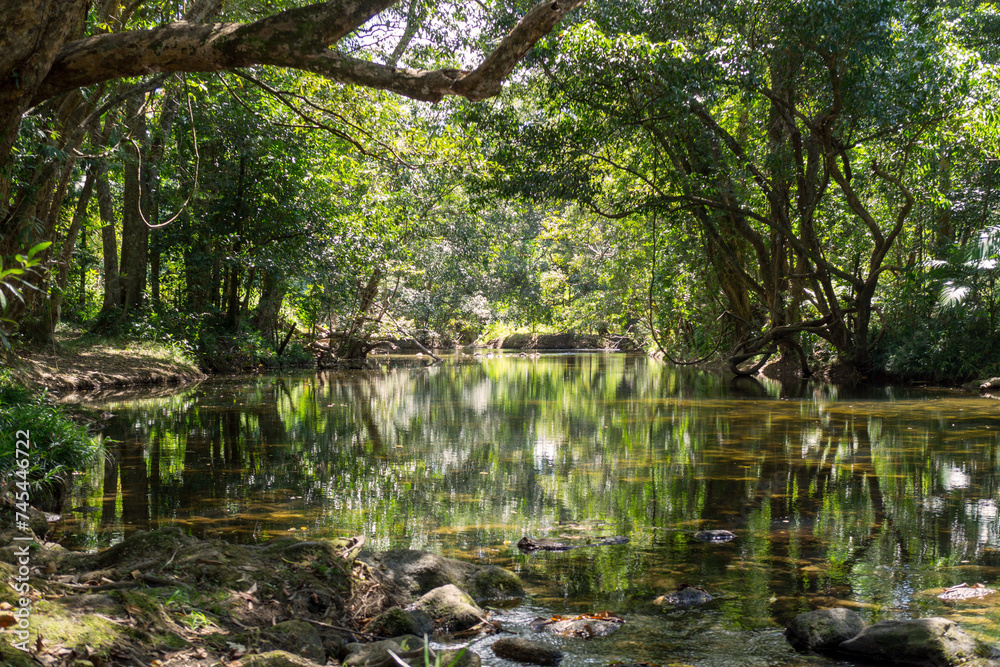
column 870, row 499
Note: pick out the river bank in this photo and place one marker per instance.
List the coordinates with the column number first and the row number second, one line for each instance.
column 81, row 364
column 169, row 599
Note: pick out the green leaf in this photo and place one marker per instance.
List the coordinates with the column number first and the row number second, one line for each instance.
column 38, row 248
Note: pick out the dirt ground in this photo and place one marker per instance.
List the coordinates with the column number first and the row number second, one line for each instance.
column 81, row 363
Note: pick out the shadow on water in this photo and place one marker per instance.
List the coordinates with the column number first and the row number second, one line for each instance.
column 871, row 499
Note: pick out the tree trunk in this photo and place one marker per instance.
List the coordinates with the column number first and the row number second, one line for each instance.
column 197, row 275
column 151, row 182
column 66, row 252
column 217, row 288
column 154, row 275
column 272, row 293
column 135, row 232
column 247, row 291
column 109, row 241
column 34, row 33
column 233, row 298
column 354, row 344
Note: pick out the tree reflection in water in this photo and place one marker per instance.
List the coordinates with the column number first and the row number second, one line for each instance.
column 859, row 497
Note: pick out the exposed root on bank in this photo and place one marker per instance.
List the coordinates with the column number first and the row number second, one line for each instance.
column 173, row 598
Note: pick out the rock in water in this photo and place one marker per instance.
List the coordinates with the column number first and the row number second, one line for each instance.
column 585, row 625
column 529, row 544
column 922, row 642
column 520, row 649
column 965, row 592
column 541, row 544
column 451, row 608
column 990, row 385
column 714, row 536
column 824, row 629
column 686, row 595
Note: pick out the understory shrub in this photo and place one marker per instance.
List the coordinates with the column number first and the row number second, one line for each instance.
column 58, row 446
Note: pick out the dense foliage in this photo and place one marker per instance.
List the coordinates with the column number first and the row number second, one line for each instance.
column 58, row 446
column 803, row 178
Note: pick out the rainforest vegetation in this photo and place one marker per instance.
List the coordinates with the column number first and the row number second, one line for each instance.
column 735, row 180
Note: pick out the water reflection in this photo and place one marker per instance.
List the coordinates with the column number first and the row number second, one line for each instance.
column 865, row 498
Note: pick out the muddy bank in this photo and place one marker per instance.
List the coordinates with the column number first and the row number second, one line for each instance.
column 102, row 366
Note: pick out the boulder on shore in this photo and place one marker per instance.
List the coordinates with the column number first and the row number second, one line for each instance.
column 451, row 608
column 823, row 629
column 396, row 621
column 922, row 642
column 419, row 572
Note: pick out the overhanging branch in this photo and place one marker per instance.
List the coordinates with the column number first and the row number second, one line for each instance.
column 298, row 39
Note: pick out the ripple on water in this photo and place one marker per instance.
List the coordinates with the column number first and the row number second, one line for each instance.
column 696, row 639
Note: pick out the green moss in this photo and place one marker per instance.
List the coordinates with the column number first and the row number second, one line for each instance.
column 144, row 545
column 77, row 631
column 7, row 593
column 147, row 604
column 12, row 657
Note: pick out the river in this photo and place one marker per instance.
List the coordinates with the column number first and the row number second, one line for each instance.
column 871, row 498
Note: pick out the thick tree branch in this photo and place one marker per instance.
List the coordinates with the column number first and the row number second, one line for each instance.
column 485, row 80
column 299, row 38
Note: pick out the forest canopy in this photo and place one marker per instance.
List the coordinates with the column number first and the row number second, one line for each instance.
column 746, row 180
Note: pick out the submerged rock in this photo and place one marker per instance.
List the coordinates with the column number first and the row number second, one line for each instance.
column 418, row 572
column 686, row 595
column 451, row 608
column 922, row 642
column 824, row 629
column 528, row 544
column 714, row 536
column 520, row 649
